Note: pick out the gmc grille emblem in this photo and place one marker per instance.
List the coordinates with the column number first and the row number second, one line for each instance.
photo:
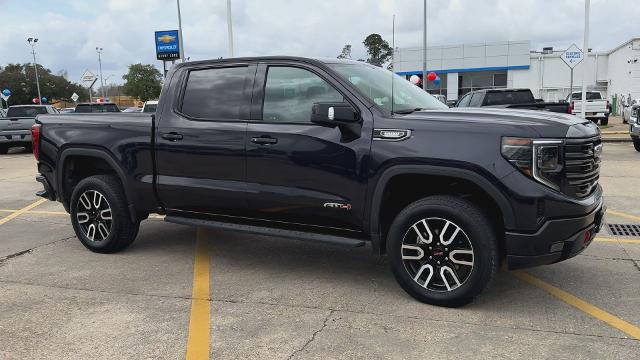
column 337, row 206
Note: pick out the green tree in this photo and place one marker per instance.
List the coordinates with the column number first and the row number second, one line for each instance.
column 21, row 80
column 346, row 52
column 143, row 81
column 378, row 49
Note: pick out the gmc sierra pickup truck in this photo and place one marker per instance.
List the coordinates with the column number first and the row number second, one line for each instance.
column 325, row 151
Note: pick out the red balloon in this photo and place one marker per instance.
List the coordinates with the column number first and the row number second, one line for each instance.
column 431, row 76
column 36, row 100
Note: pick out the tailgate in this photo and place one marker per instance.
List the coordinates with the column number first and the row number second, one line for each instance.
column 19, row 123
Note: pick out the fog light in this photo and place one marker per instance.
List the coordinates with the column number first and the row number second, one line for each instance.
column 555, row 247
column 587, row 237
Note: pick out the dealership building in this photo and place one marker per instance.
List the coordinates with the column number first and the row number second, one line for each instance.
column 513, row 64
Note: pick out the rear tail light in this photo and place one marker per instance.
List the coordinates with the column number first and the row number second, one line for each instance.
column 35, row 140
column 570, row 108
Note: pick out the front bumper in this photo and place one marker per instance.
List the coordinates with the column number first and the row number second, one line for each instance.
column 557, row 240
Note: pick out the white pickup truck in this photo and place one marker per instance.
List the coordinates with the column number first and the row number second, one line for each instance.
column 597, row 108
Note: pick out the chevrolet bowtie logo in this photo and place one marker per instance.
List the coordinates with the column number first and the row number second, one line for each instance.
column 166, row 38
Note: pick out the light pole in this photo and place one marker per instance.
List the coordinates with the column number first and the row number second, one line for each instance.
column 180, row 33
column 32, row 42
column 424, row 49
column 230, row 28
column 99, row 51
column 585, row 48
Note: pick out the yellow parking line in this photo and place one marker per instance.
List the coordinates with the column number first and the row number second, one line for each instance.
column 614, row 240
column 15, row 214
column 623, row 215
column 592, row 310
column 198, row 340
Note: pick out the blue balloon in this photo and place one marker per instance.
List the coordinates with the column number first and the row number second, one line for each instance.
column 6, row 92
column 44, row 99
column 436, row 81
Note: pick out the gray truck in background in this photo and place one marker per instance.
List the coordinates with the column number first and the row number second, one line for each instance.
column 15, row 128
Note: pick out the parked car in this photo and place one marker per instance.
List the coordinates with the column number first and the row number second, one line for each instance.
column 510, row 99
column 597, row 108
column 628, row 109
column 314, row 150
column 150, row 106
column 96, row 108
column 15, row 128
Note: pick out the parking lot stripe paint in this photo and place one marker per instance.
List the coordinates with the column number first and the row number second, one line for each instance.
column 199, row 323
column 15, row 214
column 592, row 310
column 623, row 215
column 614, row 240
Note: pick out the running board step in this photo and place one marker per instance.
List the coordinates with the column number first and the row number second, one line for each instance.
column 282, row 233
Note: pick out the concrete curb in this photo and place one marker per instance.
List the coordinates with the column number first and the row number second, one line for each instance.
column 616, row 140
column 614, row 132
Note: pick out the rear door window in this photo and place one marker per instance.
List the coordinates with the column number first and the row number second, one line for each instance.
column 217, row 93
column 508, row 98
column 26, row 111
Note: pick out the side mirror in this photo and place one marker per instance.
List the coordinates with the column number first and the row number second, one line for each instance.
column 333, row 114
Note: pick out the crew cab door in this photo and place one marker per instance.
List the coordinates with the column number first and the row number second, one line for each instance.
column 297, row 171
column 200, row 140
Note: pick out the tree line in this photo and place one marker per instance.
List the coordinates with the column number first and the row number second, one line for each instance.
column 378, row 49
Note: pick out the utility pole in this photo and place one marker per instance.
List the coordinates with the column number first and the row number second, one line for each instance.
column 180, row 39
column 230, row 28
column 32, row 42
column 99, row 51
column 585, row 48
column 424, row 49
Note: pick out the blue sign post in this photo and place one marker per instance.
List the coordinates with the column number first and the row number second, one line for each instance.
column 167, row 45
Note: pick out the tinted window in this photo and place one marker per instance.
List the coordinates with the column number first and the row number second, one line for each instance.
column 26, row 111
column 509, row 97
column 96, row 108
column 590, row 96
column 150, row 108
column 216, row 93
column 476, row 100
column 290, row 93
column 464, row 102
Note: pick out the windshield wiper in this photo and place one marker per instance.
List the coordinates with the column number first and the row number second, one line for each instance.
column 408, row 111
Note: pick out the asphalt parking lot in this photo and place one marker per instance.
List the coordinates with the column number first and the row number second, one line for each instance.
column 181, row 291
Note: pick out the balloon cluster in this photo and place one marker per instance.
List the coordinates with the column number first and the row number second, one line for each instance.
column 37, row 101
column 432, row 76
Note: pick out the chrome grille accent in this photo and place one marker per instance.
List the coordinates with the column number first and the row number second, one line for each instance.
column 582, row 166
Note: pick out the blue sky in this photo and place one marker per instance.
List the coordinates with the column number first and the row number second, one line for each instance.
column 69, row 30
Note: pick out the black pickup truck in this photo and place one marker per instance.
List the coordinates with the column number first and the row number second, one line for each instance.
column 315, row 150
column 511, row 99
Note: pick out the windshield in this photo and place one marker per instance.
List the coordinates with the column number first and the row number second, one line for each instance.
column 26, row 111
column 375, row 83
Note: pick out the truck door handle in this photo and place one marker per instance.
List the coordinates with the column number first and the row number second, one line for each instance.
column 172, row 136
column 264, row 140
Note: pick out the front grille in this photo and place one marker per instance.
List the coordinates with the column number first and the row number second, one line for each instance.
column 581, row 166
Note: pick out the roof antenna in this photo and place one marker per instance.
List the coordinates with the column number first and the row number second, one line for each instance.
column 393, row 52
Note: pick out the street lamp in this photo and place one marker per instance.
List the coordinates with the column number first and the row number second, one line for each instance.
column 99, row 51
column 32, row 42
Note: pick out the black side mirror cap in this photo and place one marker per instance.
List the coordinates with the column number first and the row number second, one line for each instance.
column 333, row 114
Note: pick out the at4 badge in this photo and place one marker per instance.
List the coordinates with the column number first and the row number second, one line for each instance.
column 337, row 206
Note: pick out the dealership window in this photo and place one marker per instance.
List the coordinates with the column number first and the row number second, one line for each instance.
column 477, row 80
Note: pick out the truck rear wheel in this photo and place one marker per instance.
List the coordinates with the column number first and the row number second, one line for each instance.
column 604, row 120
column 4, row 148
column 443, row 250
column 100, row 215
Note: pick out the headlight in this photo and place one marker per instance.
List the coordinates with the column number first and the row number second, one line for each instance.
column 540, row 159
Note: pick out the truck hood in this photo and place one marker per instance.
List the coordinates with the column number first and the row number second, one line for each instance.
column 544, row 123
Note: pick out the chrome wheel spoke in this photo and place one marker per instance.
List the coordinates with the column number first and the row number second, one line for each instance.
column 84, row 201
column 428, row 279
column 91, row 232
column 452, row 274
column 103, row 230
column 417, row 249
column 448, row 241
column 97, row 199
column 82, row 217
column 460, row 261
column 105, row 214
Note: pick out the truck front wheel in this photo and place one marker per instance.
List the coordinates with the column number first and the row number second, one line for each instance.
column 443, row 250
column 100, row 215
column 636, row 143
